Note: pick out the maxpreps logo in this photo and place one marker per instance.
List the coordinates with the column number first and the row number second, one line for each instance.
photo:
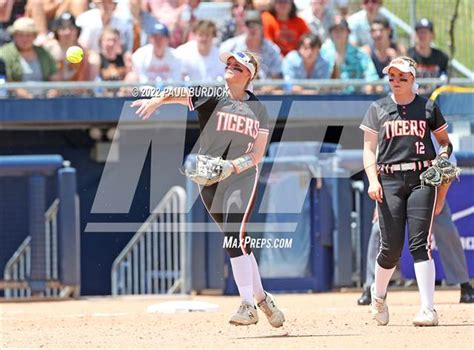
column 253, row 243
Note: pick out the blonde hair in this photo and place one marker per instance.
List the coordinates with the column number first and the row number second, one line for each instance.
column 255, row 60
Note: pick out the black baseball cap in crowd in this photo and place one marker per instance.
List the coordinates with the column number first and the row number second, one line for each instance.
column 424, row 23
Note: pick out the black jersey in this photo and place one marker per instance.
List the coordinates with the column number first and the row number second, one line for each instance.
column 404, row 130
column 430, row 67
column 228, row 127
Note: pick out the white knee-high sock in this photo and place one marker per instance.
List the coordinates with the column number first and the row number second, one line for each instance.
column 382, row 277
column 425, row 277
column 258, row 291
column 242, row 270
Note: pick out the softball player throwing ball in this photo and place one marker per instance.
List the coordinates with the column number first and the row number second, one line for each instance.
column 403, row 179
column 233, row 139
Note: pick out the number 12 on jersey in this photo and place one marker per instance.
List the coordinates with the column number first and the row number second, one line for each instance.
column 420, row 147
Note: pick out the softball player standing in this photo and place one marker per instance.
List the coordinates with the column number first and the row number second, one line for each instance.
column 233, row 126
column 398, row 127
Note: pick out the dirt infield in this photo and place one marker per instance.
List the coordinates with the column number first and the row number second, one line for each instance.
column 313, row 320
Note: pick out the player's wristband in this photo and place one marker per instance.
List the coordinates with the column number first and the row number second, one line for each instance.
column 446, row 149
column 243, row 163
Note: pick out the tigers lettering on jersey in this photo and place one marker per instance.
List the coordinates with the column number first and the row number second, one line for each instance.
column 394, row 128
column 237, row 123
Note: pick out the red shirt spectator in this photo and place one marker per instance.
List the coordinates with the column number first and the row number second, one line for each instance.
column 283, row 26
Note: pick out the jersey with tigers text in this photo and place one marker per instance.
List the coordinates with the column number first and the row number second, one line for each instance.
column 228, row 128
column 404, row 131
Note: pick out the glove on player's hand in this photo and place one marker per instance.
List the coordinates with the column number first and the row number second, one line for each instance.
column 440, row 172
column 209, row 170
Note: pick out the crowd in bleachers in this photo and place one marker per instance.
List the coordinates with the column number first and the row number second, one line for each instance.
column 157, row 41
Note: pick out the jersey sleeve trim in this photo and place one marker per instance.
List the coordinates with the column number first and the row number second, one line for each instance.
column 366, row 128
column 441, row 128
column 264, row 131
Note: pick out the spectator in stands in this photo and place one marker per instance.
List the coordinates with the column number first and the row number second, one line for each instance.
column 383, row 50
column 25, row 61
column 10, row 10
column 66, row 33
column 236, row 25
column 345, row 60
column 186, row 21
column 306, row 62
column 359, row 22
column 110, row 60
column 156, row 62
column 283, row 26
column 166, row 12
column 319, row 18
column 44, row 12
column 253, row 40
column 262, row 5
column 143, row 23
column 431, row 62
column 93, row 21
column 200, row 58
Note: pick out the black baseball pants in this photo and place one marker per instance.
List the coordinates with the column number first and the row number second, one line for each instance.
column 230, row 203
column 405, row 202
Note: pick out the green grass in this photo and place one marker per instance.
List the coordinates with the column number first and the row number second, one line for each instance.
column 441, row 12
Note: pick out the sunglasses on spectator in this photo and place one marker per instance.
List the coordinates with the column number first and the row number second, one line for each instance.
column 283, row 1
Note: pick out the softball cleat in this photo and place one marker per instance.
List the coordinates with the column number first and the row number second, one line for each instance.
column 245, row 315
column 274, row 315
column 426, row 317
column 379, row 309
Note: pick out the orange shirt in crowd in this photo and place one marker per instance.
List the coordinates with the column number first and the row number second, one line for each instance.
column 286, row 34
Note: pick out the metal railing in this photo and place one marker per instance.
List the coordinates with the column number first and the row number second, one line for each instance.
column 154, row 260
column 51, row 241
column 18, row 267
column 282, row 83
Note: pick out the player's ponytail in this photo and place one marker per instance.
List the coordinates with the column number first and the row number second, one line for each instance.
column 254, row 59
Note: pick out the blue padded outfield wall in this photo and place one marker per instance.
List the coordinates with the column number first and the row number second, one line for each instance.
column 60, row 126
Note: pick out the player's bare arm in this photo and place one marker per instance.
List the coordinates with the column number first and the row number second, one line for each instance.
column 445, row 146
column 370, row 165
column 254, row 156
column 148, row 106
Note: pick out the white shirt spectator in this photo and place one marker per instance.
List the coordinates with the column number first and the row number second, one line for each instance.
column 151, row 69
column 92, row 26
column 317, row 26
column 198, row 67
column 360, row 29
